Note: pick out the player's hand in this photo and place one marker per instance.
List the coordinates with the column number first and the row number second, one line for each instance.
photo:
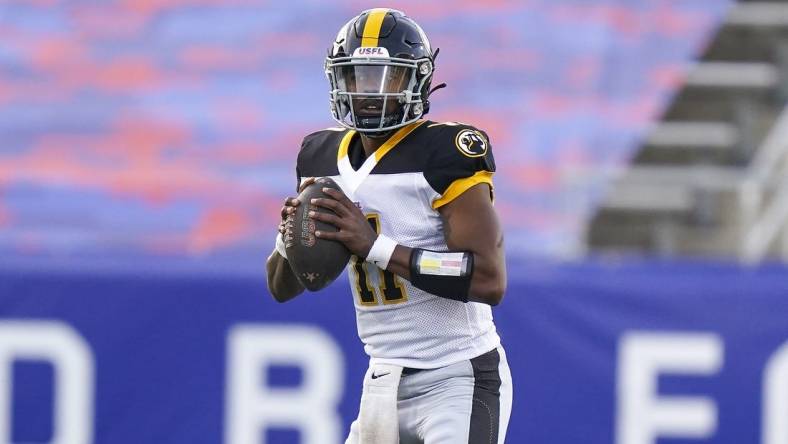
column 290, row 205
column 355, row 232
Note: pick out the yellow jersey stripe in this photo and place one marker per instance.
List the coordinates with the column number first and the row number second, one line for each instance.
column 344, row 144
column 396, row 138
column 460, row 186
column 372, row 27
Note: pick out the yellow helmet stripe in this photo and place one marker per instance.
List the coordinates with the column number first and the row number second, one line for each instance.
column 372, row 27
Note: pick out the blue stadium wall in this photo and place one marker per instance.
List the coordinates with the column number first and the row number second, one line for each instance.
column 601, row 353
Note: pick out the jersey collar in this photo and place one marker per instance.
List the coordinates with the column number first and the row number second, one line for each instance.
column 353, row 178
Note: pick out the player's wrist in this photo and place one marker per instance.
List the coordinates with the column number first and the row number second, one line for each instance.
column 381, row 251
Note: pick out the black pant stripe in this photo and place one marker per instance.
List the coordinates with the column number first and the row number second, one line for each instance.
column 485, row 414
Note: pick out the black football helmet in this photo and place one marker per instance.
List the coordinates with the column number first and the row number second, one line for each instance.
column 380, row 69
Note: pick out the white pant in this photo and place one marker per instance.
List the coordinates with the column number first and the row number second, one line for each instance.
column 469, row 401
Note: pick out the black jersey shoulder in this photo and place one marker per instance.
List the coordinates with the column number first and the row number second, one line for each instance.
column 458, row 151
column 435, row 145
column 318, row 154
column 410, row 154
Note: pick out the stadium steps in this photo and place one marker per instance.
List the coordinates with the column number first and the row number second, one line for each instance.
column 683, row 192
column 685, row 142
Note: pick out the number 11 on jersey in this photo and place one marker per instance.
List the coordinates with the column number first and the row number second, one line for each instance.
column 391, row 287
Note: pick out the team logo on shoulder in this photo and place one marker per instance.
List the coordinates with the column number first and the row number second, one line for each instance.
column 471, row 143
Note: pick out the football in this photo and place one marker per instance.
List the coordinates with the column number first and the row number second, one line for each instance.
column 316, row 262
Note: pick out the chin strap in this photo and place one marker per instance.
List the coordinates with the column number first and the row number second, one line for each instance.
column 441, row 86
column 372, row 123
column 427, row 99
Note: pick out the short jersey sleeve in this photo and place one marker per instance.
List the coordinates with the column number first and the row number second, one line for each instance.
column 462, row 158
column 318, row 154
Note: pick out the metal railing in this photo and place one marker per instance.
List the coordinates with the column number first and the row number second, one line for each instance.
column 763, row 196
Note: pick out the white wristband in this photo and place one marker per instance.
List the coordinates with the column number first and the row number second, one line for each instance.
column 280, row 245
column 381, row 251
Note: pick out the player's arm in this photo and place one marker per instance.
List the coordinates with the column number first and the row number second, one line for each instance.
column 472, row 233
column 471, row 226
column 282, row 282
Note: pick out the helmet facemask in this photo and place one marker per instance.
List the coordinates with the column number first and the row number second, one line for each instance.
column 374, row 95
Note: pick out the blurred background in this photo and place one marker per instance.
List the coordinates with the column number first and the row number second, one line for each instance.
column 146, row 147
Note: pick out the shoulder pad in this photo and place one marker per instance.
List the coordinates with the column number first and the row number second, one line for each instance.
column 318, row 154
column 323, row 136
column 462, row 157
column 465, row 139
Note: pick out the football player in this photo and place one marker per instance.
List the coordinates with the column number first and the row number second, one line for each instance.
column 416, row 212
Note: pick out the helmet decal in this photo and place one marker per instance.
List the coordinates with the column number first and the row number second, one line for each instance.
column 372, row 26
column 371, row 51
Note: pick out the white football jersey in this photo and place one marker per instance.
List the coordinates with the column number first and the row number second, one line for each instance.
column 400, row 188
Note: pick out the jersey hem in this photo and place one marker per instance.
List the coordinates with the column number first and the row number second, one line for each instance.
column 477, row 349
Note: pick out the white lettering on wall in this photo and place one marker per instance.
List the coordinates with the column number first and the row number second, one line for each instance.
column 642, row 415
column 252, row 407
column 72, row 360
